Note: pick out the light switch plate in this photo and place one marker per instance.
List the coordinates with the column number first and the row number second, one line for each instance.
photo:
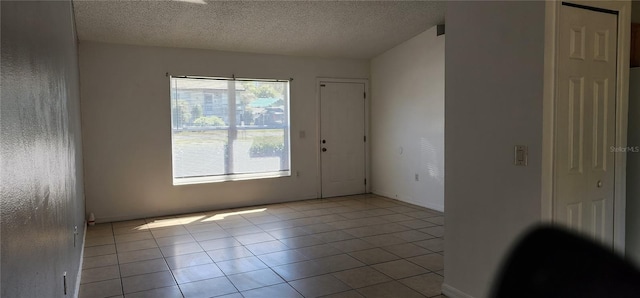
column 521, row 155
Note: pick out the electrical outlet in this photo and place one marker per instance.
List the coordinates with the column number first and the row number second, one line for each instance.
column 417, row 177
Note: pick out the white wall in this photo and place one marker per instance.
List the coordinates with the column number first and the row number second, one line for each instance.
column 126, row 128
column 633, row 169
column 407, row 127
column 494, row 83
column 41, row 192
column 633, row 159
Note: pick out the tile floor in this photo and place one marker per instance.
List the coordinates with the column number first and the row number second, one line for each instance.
column 356, row 246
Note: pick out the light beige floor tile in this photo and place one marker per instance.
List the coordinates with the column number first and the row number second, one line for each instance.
column 347, row 294
column 351, row 245
column 100, row 274
column 241, row 265
column 206, row 227
column 374, row 256
column 254, row 238
column 219, row 243
column 319, row 251
column 282, row 257
column 331, row 218
column 301, row 241
column 255, row 279
column 413, row 235
column 136, row 245
column 93, row 233
column 266, row 247
column 384, row 240
column 427, row 284
column 99, row 261
column 99, row 250
column 417, row 224
column 133, row 237
column 361, row 277
column 196, row 273
column 167, row 232
column 319, row 285
column 395, row 217
column 143, row 267
column 435, row 244
column 139, row 255
column 400, row 269
column 107, row 288
column 392, row 289
column 300, row 270
column 167, row 292
column 439, row 220
column 205, row 288
column 280, row 290
column 181, row 249
column 129, row 230
column 181, row 261
column 171, row 240
column 333, row 236
column 318, row 228
column 433, row 262
column 435, row 231
column 406, row 250
column 339, row 263
column 100, row 240
column 233, row 295
column 149, row 281
column 229, row 253
column 209, row 235
column 287, row 233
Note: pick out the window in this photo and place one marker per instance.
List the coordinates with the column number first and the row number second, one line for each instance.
column 225, row 129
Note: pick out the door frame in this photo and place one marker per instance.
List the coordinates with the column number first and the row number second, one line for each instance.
column 367, row 109
column 552, row 18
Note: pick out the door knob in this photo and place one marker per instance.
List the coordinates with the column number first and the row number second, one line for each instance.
column 599, row 184
column 324, row 149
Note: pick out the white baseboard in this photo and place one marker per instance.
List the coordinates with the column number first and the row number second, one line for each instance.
column 199, row 209
column 79, row 275
column 432, row 206
column 452, row 292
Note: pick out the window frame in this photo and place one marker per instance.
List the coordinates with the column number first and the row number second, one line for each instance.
column 226, row 177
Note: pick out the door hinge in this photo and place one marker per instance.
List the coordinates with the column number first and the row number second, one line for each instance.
column 365, row 95
column 365, row 181
column 365, row 138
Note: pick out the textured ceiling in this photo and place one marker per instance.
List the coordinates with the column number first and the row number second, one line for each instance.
column 349, row 29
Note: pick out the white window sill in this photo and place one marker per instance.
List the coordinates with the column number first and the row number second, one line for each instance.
column 226, row 178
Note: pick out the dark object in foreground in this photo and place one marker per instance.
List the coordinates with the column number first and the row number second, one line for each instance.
column 550, row 262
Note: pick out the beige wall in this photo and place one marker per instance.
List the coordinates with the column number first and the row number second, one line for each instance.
column 41, row 191
column 126, row 128
column 635, row 11
column 408, row 121
column 493, row 88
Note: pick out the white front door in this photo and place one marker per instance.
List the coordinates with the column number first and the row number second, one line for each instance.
column 585, row 122
column 342, row 143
